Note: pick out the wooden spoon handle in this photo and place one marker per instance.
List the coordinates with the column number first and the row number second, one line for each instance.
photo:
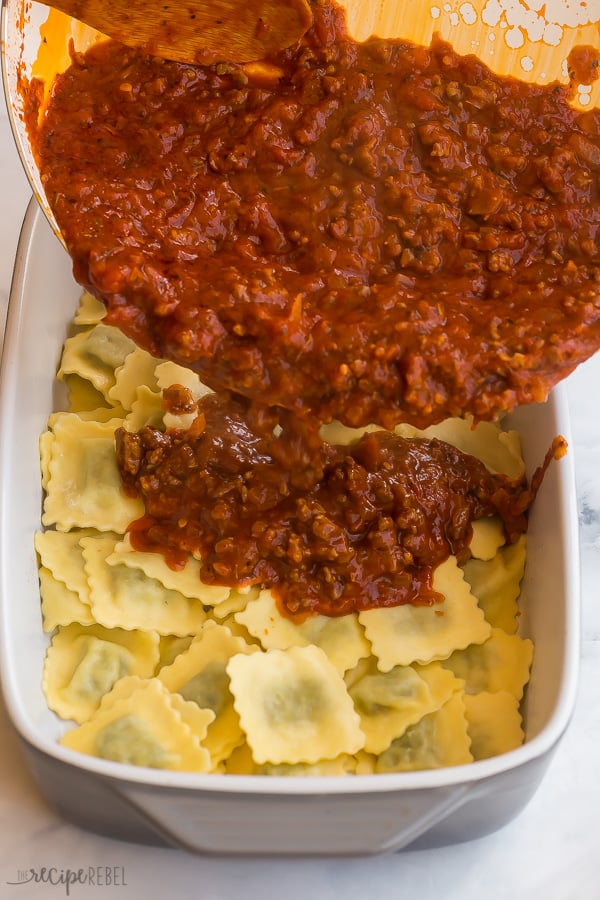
column 196, row 31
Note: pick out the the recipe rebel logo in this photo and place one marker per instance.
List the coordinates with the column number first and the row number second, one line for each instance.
column 90, row 876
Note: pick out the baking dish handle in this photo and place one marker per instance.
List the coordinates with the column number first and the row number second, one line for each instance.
column 215, row 822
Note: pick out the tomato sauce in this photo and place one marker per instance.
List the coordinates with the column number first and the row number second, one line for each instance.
column 330, row 529
column 376, row 232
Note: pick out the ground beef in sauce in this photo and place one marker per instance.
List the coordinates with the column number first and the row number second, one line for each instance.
column 330, row 529
column 373, row 232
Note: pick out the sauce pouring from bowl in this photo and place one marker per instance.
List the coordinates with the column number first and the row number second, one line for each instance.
column 198, row 31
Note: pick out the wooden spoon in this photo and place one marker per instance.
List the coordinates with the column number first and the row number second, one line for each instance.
column 196, row 31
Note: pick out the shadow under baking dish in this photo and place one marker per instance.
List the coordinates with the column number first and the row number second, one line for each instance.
column 228, row 814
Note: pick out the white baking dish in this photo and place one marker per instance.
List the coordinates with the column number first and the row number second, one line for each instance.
column 260, row 814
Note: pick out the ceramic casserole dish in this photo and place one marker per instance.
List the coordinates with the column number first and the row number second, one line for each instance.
column 365, row 814
column 258, row 814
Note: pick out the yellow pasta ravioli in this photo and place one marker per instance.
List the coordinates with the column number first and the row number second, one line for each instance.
column 502, row 662
column 90, row 311
column 294, row 706
column 137, row 368
column 84, row 486
column 143, row 728
column 199, row 674
column 61, row 553
column 499, row 450
column 497, row 583
column 197, row 719
column 241, row 762
column 342, row 638
column 120, row 595
column 94, row 355
column 437, row 740
column 494, row 723
column 187, row 581
column 84, row 662
column 61, row 605
column 146, row 409
column 389, row 702
column 401, row 635
column 488, row 536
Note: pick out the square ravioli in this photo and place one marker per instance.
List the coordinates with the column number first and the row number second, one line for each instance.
column 61, row 605
column 499, row 450
column 84, row 487
column 390, row 702
column 137, row 368
column 294, row 706
column 83, row 663
column 60, row 552
column 341, row 638
column 199, row 675
column 187, row 580
column 496, row 583
column 142, row 728
column 401, row 635
column 437, row 740
column 494, row 723
column 125, row 596
column 94, row 354
column 502, row 662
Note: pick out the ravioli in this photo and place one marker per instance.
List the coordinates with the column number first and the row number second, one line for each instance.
column 342, row 638
column 84, row 487
column 83, row 397
column 293, row 706
column 169, row 373
column 237, row 601
column 170, row 646
column 438, row 740
column 137, row 368
column 390, row 702
column 144, row 728
column 488, row 536
column 502, row 662
column 146, row 409
column 497, row 584
column 90, row 311
column 241, row 762
column 61, row 605
column 494, row 723
column 401, row 635
column 94, row 355
column 61, row 553
column 84, row 662
column 46, row 441
column 186, row 581
column 199, row 674
column 127, row 597
column 499, row 450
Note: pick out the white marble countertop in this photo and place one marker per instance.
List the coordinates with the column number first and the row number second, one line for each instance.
column 551, row 851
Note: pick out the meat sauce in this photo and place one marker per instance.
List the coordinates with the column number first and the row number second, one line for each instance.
column 331, row 529
column 375, row 232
